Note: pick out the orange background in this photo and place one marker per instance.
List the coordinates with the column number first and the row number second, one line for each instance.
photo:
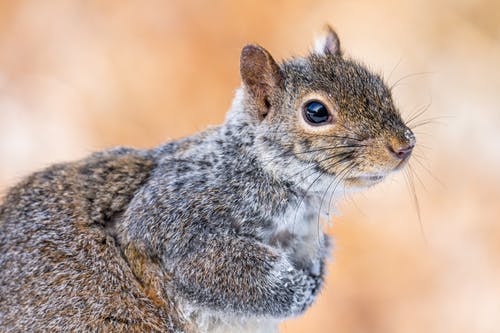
column 80, row 76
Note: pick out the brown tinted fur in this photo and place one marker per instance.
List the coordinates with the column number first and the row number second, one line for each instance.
column 94, row 288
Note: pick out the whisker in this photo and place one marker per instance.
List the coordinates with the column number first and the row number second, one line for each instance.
column 321, row 173
column 425, row 146
column 350, row 130
column 319, row 212
column 408, row 76
column 416, row 154
column 333, row 136
column 412, row 170
column 290, row 153
column 337, row 180
column 419, row 133
column 430, row 121
column 321, row 161
column 333, row 192
column 394, row 68
column 344, row 177
column 351, row 199
column 413, row 194
column 417, row 159
column 418, row 113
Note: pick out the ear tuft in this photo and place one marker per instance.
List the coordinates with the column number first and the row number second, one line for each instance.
column 327, row 43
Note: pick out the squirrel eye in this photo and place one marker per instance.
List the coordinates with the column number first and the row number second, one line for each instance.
column 316, row 113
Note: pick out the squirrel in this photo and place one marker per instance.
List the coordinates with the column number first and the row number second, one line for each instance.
column 215, row 232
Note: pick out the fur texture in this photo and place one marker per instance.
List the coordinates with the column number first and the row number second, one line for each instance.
column 215, row 232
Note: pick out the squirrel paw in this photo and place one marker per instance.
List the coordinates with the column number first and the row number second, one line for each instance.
column 302, row 287
column 308, row 288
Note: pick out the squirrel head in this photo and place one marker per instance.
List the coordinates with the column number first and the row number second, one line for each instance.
column 330, row 113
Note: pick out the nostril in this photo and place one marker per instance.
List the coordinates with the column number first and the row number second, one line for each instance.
column 401, row 152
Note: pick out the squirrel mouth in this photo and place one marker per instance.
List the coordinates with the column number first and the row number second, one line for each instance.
column 365, row 180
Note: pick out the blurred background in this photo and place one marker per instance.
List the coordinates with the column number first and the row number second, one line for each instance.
column 81, row 76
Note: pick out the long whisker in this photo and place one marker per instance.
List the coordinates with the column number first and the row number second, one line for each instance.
column 418, row 113
column 394, row 68
column 429, row 121
column 289, row 153
column 333, row 136
column 413, row 194
column 417, row 159
column 337, row 180
column 321, row 161
column 349, row 197
column 338, row 176
column 408, row 76
column 321, row 173
column 412, row 170
column 333, row 192
column 420, row 145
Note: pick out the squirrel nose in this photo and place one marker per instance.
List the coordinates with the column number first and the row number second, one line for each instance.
column 401, row 151
column 401, row 148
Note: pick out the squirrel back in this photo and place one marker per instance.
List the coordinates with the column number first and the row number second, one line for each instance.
column 60, row 268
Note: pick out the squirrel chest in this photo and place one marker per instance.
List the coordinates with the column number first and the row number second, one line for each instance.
column 296, row 232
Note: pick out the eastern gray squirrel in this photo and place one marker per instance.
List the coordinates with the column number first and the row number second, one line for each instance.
column 216, row 232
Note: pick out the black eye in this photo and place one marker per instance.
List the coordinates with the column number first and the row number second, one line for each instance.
column 316, row 113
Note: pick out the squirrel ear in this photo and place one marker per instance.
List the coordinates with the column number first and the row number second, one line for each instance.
column 327, row 43
column 261, row 75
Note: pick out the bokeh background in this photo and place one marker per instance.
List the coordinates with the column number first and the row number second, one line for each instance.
column 81, row 76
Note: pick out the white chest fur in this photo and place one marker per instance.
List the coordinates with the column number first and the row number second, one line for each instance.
column 301, row 224
column 207, row 321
